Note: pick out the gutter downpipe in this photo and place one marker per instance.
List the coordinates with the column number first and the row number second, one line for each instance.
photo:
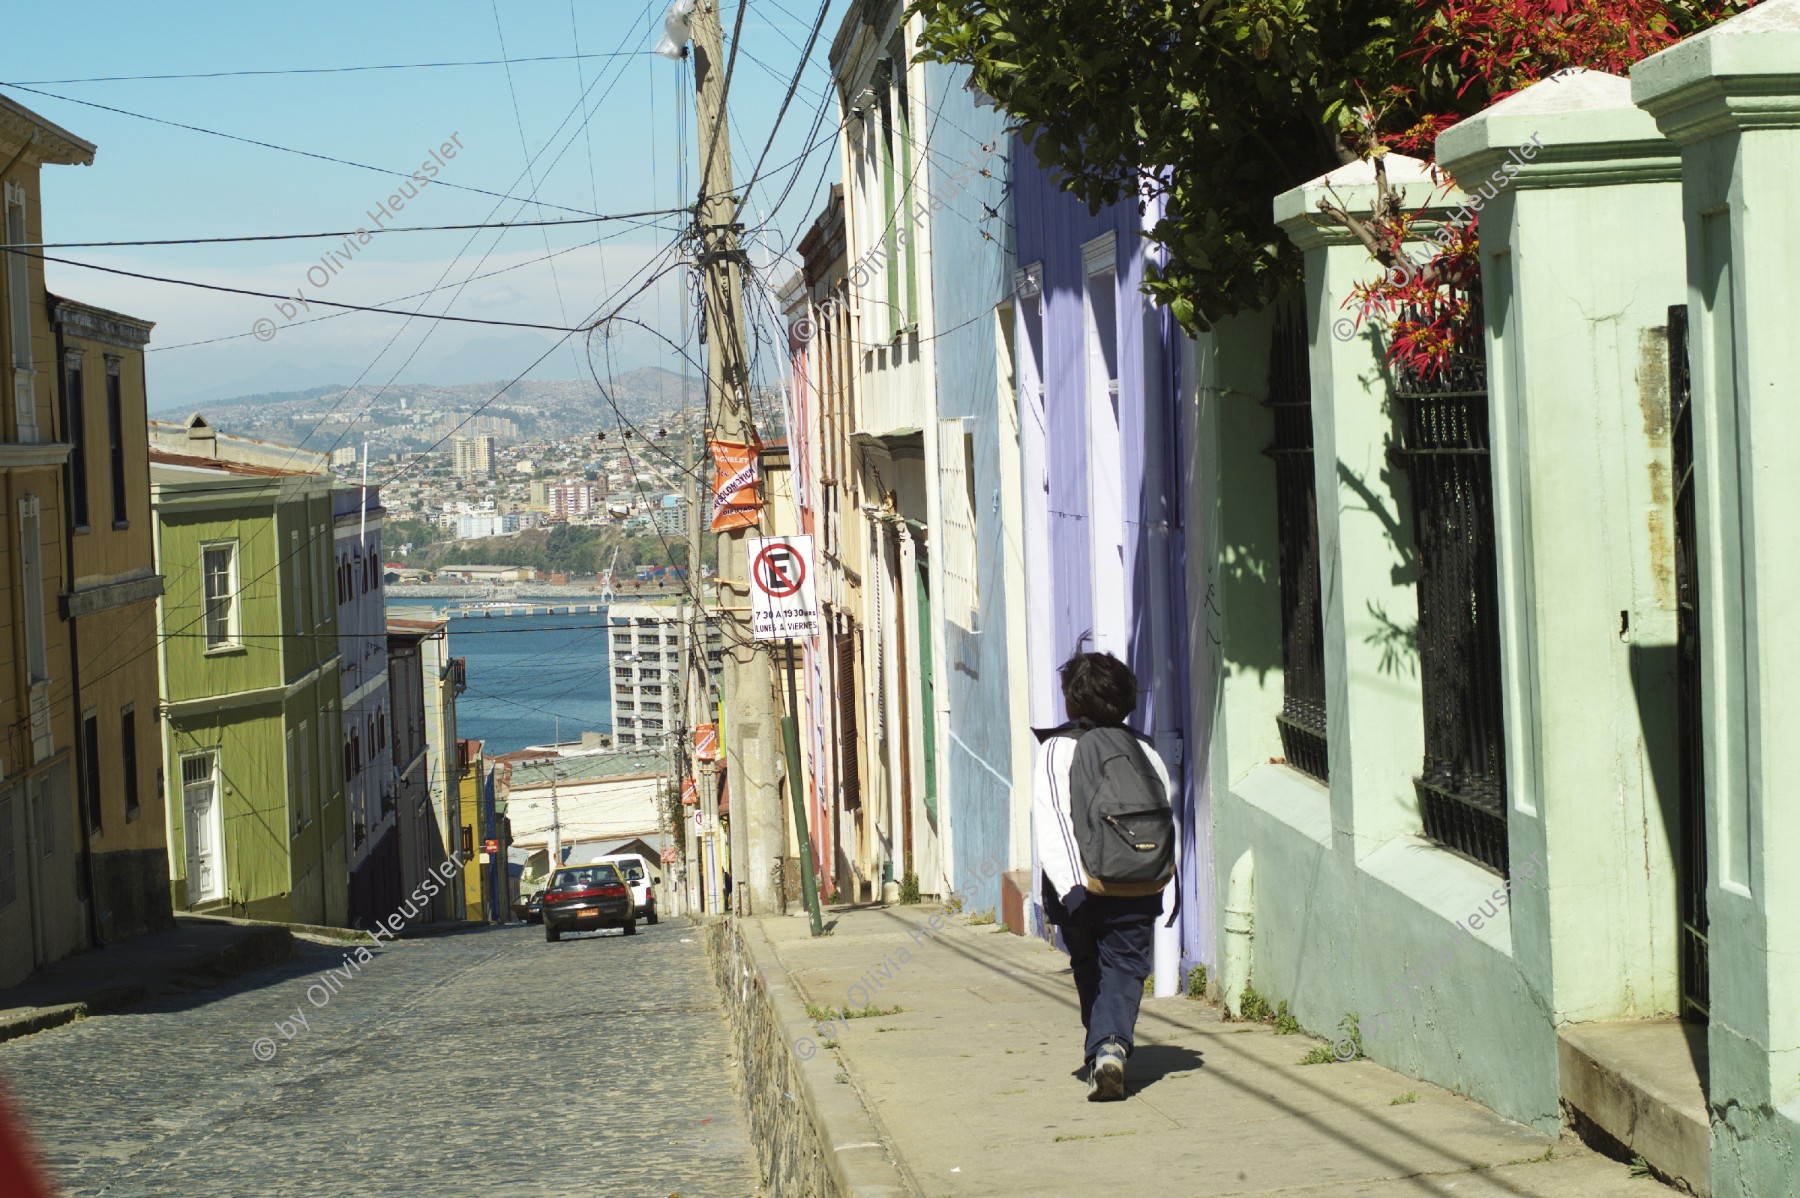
column 1240, row 931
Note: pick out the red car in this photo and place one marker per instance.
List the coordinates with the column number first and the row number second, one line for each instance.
column 587, row 898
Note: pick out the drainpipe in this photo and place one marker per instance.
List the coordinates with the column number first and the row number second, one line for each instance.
column 87, row 832
column 1240, row 930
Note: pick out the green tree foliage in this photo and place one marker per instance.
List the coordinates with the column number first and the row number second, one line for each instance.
column 1217, row 106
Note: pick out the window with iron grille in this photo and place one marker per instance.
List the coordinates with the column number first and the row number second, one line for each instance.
column 129, row 755
column 1462, row 788
column 1302, row 718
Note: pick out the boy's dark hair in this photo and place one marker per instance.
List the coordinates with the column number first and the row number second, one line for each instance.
column 1098, row 687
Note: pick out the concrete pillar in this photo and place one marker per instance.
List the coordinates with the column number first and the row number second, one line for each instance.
column 1580, row 263
column 1730, row 99
column 1375, row 732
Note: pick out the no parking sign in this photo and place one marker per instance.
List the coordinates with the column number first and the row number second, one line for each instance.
column 783, row 602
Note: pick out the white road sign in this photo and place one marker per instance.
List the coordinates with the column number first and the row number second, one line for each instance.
column 783, row 602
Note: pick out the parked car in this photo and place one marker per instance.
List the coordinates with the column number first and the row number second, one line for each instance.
column 531, row 907
column 642, row 881
column 586, row 898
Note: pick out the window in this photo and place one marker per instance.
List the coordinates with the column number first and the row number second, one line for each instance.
column 1105, row 446
column 293, row 752
column 18, row 296
column 9, row 869
column 468, row 841
column 115, row 433
column 219, row 567
column 956, row 490
column 296, row 593
column 1302, row 718
column 37, row 653
column 1444, row 446
column 321, row 556
column 128, row 755
column 77, row 421
column 90, row 767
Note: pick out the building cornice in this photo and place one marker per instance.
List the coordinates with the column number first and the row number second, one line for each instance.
column 98, row 324
column 24, row 455
column 54, row 144
column 91, row 598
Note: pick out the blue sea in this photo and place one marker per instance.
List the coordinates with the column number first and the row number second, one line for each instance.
column 525, row 671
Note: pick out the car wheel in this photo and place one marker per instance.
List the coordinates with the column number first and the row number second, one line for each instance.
column 631, row 927
column 653, row 914
column 551, row 934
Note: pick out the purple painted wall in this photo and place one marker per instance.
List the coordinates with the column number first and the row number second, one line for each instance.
column 1052, row 229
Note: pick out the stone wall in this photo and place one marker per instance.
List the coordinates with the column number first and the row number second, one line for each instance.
column 796, row 1107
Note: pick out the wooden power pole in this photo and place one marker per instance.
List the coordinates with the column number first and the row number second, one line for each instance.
column 750, row 730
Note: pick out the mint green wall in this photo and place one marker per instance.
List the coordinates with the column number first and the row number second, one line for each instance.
column 1730, row 100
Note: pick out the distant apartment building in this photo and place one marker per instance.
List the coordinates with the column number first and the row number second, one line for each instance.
column 343, row 456
column 370, row 788
column 472, row 457
column 670, row 518
column 475, row 525
column 573, row 498
column 649, row 647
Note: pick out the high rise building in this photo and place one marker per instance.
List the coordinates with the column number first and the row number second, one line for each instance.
column 648, row 644
column 472, row 457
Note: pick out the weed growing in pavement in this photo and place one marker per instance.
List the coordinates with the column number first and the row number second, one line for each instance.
column 954, row 904
column 842, row 1079
column 1060, row 1139
column 1347, row 1047
column 820, row 1014
column 1149, row 985
column 1285, row 1024
column 1196, row 982
column 828, row 1044
column 1254, row 1008
column 909, row 888
column 1640, row 1167
column 981, row 919
column 1404, row 1099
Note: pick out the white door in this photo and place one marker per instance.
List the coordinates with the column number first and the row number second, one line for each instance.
column 205, row 837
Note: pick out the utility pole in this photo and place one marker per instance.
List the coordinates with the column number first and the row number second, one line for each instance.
column 555, row 811
column 749, row 724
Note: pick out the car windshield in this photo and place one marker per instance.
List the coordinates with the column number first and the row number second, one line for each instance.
column 584, row 875
column 634, row 870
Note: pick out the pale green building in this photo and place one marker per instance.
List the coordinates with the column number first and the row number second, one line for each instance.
column 248, row 651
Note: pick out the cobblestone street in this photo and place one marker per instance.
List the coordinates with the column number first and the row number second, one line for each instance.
column 475, row 1063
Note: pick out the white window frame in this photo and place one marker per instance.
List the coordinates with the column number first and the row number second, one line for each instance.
column 960, row 550
column 233, row 637
column 18, row 295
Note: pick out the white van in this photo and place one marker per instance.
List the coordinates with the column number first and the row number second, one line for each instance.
column 642, row 881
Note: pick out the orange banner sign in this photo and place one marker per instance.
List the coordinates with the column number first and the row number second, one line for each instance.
column 737, row 497
column 690, row 792
column 706, row 742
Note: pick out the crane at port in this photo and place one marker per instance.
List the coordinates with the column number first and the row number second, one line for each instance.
column 606, row 578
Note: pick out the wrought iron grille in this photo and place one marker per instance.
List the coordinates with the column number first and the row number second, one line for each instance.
column 1302, row 718
column 1691, row 795
column 1462, row 788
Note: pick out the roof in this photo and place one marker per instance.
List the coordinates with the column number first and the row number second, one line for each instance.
column 162, row 457
column 591, row 767
column 54, row 143
column 401, row 626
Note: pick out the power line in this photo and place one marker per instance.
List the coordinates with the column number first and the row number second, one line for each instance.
column 251, row 237
column 385, row 66
column 269, row 145
column 132, row 274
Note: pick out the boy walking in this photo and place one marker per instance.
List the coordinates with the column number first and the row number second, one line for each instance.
column 1104, row 831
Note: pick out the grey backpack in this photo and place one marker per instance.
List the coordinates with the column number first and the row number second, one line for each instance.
column 1124, row 825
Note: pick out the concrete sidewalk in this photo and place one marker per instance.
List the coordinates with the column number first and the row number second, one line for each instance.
column 973, row 1085
column 196, row 952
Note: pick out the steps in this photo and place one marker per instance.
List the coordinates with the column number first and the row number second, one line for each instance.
column 1642, row 1083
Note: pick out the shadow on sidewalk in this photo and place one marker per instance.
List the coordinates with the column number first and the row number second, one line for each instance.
column 1150, row 1063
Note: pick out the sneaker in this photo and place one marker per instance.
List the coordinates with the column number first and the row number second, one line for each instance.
column 1106, row 1080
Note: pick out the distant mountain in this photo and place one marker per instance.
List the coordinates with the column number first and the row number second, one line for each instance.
column 415, row 416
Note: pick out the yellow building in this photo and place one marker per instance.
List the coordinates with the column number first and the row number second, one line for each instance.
column 472, row 827
column 42, row 913
column 111, row 614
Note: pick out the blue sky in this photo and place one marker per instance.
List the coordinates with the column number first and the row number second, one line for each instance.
column 153, row 180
